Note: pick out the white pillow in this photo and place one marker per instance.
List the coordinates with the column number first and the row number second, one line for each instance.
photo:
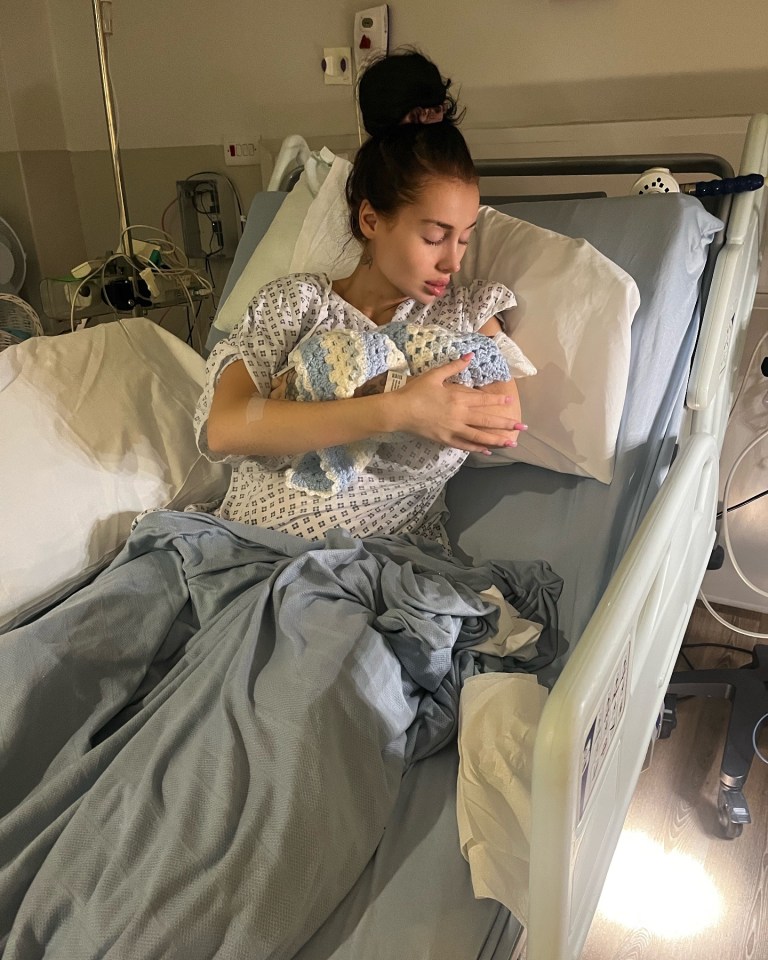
column 95, row 427
column 271, row 258
column 325, row 243
column 310, row 234
column 573, row 318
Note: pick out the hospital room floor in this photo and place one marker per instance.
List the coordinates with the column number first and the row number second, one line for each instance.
column 676, row 889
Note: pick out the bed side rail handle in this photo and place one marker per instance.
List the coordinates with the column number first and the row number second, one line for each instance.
column 604, row 165
column 600, row 715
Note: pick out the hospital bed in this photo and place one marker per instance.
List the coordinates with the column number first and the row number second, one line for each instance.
column 632, row 555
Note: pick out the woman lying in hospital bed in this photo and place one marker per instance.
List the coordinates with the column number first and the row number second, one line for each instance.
column 413, row 203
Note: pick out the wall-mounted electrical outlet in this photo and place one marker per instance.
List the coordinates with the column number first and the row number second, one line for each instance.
column 337, row 65
column 241, row 153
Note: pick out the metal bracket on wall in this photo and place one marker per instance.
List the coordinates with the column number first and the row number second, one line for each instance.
column 208, row 225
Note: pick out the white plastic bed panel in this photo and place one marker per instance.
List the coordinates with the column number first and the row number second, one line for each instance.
column 601, row 714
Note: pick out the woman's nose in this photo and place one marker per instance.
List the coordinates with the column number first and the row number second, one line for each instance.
column 451, row 259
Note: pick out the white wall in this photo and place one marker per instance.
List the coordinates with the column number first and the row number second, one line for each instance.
column 188, row 72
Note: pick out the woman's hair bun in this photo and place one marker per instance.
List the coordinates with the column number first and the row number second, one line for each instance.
column 393, row 86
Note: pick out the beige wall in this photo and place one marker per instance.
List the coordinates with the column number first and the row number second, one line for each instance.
column 38, row 197
column 31, row 77
column 186, row 75
column 8, row 139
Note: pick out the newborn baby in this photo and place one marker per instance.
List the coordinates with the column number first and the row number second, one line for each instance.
column 338, row 364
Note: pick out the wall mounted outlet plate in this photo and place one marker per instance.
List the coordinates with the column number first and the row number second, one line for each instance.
column 337, row 65
column 241, row 151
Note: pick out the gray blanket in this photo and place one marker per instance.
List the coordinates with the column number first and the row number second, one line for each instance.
column 202, row 748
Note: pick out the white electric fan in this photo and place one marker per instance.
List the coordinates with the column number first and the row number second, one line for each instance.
column 13, row 260
column 18, row 321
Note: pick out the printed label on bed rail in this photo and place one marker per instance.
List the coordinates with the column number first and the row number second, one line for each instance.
column 604, row 728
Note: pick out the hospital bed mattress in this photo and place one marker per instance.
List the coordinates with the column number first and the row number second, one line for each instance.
column 415, row 898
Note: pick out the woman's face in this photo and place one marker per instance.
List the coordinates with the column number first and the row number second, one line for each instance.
column 418, row 249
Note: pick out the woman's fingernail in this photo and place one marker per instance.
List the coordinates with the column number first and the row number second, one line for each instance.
column 467, row 356
column 487, row 453
column 511, row 443
column 521, row 426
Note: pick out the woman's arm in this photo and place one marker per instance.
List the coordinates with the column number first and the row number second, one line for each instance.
column 243, row 423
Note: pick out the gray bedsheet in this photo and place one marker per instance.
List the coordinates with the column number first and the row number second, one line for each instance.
column 202, row 748
column 415, row 900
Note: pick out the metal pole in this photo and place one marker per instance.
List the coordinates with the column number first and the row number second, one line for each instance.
column 109, row 107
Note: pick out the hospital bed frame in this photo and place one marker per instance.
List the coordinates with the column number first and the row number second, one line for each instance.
column 602, row 713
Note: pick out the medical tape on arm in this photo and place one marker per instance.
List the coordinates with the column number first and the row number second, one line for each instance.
column 254, row 410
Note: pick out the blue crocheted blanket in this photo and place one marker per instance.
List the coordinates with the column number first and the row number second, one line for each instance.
column 337, row 364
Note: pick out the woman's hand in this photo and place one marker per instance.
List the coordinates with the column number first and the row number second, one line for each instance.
column 281, row 388
column 455, row 415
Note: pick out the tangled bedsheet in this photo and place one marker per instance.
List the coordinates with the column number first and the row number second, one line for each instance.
column 201, row 749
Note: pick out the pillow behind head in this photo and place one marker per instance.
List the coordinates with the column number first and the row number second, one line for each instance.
column 572, row 320
column 308, row 234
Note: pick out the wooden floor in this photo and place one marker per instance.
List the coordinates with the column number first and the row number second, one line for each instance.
column 676, row 888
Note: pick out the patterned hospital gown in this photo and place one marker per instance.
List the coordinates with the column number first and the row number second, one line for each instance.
column 407, row 473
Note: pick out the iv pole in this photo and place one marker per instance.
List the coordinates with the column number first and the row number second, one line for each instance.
column 102, row 18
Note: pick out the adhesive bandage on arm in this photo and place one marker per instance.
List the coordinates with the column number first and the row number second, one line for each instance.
column 254, row 409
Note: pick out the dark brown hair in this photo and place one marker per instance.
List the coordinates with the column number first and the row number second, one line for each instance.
column 392, row 86
column 391, row 167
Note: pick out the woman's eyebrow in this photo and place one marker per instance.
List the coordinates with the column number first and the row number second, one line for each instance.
column 448, row 226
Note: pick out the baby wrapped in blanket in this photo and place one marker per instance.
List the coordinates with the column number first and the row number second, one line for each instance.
column 341, row 363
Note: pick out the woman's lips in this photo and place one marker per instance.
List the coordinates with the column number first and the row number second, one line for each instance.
column 437, row 287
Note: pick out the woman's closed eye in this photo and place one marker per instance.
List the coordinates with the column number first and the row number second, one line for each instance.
column 436, row 243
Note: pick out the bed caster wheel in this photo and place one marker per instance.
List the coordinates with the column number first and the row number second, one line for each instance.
column 668, row 716
column 732, row 812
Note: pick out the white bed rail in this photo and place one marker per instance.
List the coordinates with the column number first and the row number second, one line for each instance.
column 600, row 715
column 731, row 296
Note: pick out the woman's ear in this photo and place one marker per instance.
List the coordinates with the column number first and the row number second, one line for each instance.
column 368, row 220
